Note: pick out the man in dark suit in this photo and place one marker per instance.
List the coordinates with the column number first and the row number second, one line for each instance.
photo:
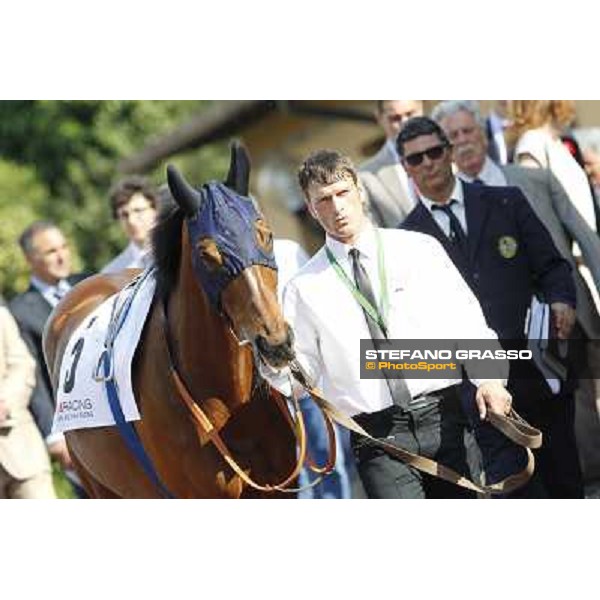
column 462, row 123
column 506, row 255
column 495, row 126
column 48, row 255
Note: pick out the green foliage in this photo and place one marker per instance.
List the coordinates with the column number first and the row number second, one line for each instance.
column 62, row 487
column 58, row 159
column 21, row 200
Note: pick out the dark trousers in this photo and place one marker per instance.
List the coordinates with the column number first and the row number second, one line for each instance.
column 494, row 456
column 557, row 461
column 435, row 428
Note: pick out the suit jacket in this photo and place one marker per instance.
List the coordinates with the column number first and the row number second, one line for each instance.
column 22, row 449
column 31, row 311
column 563, row 221
column 388, row 202
column 494, row 151
column 510, row 256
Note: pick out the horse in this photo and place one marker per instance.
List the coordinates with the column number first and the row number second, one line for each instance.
column 214, row 314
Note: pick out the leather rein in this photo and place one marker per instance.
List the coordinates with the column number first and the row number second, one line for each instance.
column 205, row 428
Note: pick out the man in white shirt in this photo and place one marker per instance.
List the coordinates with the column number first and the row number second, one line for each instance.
column 290, row 257
column 134, row 203
column 328, row 323
column 389, row 192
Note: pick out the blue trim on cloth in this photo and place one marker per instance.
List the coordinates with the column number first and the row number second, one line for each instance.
column 126, row 429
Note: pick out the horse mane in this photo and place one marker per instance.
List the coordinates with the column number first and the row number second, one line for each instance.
column 166, row 248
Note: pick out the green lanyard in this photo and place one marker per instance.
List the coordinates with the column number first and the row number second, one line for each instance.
column 372, row 311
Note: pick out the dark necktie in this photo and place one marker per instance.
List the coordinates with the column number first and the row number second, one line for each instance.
column 58, row 293
column 478, row 181
column 397, row 386
column 457, row 235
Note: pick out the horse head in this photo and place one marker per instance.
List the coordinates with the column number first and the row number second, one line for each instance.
column 232, row 257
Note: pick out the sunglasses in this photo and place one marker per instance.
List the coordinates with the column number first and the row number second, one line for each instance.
column 414, row 160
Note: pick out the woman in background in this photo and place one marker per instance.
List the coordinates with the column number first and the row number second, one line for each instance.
column 536, row 129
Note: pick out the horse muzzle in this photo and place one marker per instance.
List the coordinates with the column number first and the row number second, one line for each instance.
column 277, row 355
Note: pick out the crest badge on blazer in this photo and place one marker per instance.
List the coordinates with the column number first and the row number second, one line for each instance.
column 508, row 246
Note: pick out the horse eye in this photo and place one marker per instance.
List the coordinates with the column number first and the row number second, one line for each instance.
column 210, row 254
column 264, row 235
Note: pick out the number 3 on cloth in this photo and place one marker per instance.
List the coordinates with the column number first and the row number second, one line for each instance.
column 70, row 375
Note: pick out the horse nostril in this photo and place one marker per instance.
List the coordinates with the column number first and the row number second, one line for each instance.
column 278, row 354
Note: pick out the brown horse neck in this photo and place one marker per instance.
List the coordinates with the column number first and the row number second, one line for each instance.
column 208, row 355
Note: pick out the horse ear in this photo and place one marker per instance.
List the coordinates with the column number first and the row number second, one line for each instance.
column 238, row 178
column 183, row 193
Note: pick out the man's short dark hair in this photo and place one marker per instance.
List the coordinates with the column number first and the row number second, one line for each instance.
column 416, row 127
column 125, row 189
column 325, row 167
column 26, row 238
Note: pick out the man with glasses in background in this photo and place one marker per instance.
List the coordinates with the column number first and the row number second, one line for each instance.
column 134, row 203
column 390, row 194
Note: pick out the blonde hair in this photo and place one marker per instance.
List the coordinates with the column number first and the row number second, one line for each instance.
column 531, row 114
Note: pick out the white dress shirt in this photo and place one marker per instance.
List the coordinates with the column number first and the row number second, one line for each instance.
column 289, row 256
column 428, row 299
column 458, row 208
column 498, row 125
column 490, row 174
column 133, row 257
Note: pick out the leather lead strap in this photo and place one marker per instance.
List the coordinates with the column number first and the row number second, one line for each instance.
column 514, row 427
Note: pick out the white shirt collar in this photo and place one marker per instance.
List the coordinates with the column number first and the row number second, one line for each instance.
column 366, row 244
column 457, row 194
column 48, row 290
column 490, row 174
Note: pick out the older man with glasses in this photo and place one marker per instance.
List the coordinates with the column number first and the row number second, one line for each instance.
column 134, row 203
column 506, row 255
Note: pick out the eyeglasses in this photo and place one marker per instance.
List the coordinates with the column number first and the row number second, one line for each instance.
column 123, row 215
column 414, row 160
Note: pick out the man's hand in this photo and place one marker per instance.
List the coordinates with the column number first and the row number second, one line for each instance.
column 492, row 396
column 563, row 319
column 59, row 451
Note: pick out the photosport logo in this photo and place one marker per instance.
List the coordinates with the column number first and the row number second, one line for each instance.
column 440, row 359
